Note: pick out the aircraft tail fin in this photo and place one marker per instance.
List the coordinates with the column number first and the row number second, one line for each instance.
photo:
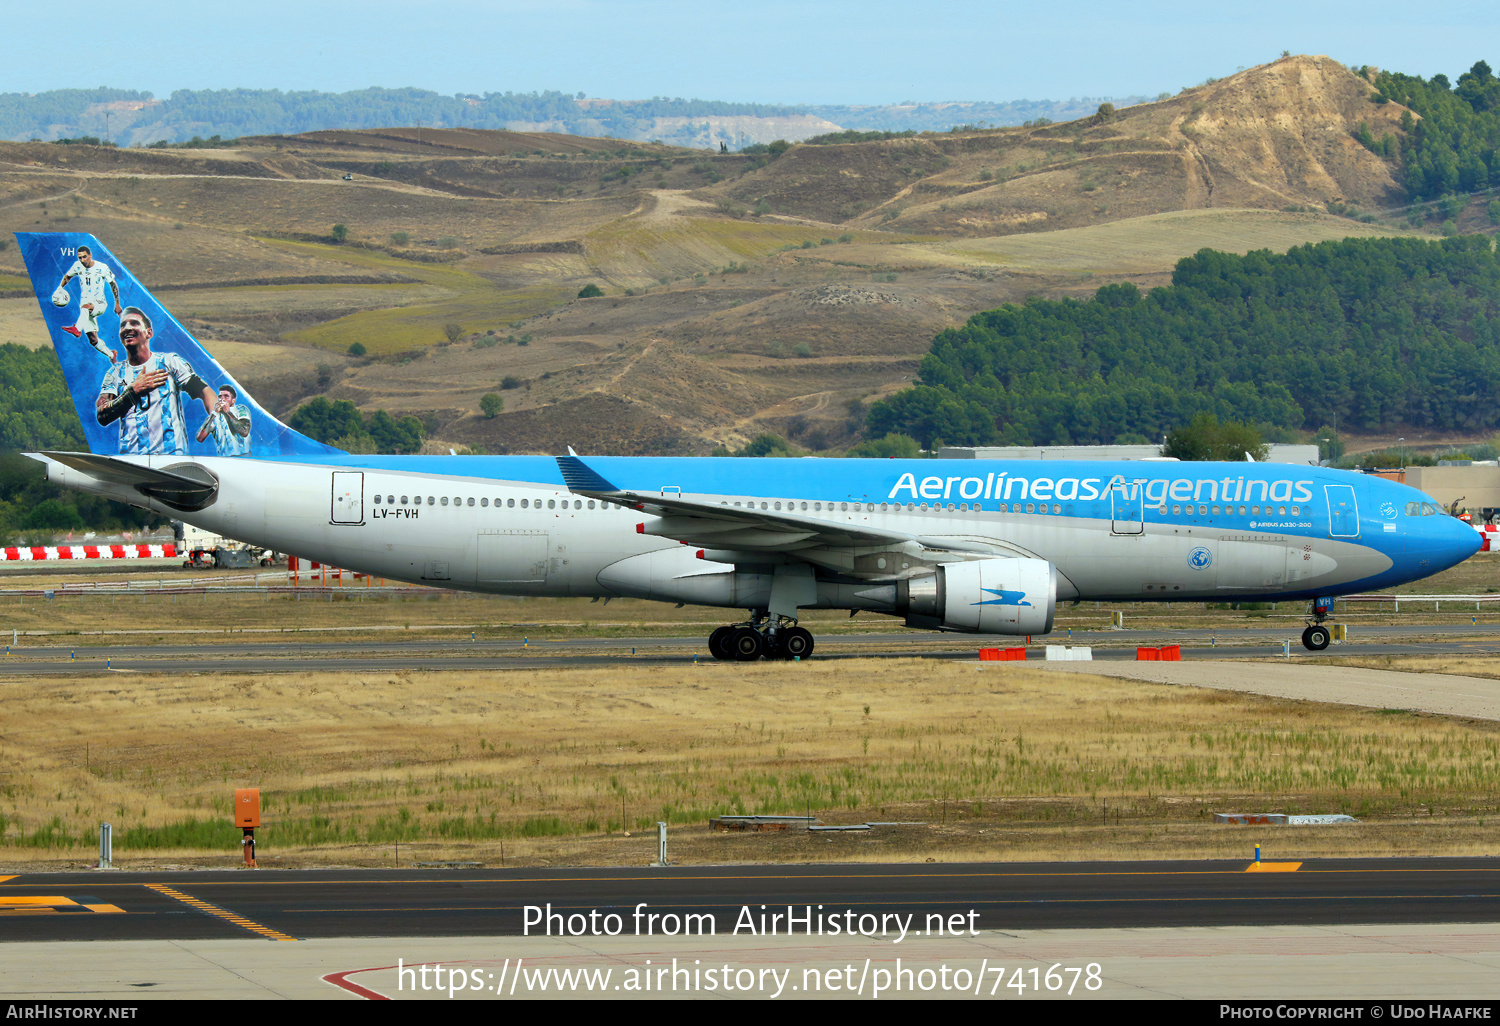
column 141, row 384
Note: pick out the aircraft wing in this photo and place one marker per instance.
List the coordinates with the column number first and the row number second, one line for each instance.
column 721, row 526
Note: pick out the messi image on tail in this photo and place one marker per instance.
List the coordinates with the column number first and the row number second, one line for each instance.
column 142, row 385
column 982, row 546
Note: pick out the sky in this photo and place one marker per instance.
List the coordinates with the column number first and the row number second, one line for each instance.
column 766, row 51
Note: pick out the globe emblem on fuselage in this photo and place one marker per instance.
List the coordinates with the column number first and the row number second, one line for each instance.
column 1200, row 558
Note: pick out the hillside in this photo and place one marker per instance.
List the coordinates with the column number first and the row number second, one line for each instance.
column 744, row 292
column 1274, row 136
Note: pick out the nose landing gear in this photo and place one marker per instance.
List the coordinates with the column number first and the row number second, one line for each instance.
column 761, row 637
column 1316, row 637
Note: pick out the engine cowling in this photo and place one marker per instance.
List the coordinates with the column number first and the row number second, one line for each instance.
column 1014, row 595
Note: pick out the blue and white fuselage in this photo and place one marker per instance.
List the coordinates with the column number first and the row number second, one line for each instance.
column 980, row 546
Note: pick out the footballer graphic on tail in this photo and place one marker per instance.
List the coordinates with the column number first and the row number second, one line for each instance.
column 141, row 384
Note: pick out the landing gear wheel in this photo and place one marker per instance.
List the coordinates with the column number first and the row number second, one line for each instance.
column 745, row 644
column 796, row 643
column 1315, row 638
column 718, row 643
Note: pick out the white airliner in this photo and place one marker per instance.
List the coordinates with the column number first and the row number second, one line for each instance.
column 987, row 547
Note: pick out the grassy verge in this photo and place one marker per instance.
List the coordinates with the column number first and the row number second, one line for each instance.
column 558, row 765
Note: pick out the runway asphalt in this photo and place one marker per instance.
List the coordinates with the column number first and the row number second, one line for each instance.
column 496, row 654
column 939, row 900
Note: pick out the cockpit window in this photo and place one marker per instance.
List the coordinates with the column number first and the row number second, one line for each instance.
column 1413, row 509
column 1428, row 510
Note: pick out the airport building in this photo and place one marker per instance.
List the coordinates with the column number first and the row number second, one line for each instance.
column 1305, row 455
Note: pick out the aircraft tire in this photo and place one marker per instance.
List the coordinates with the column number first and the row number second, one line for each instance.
column 1315, row 638
column 796, row 642
column 745, row 645
column 718, row 642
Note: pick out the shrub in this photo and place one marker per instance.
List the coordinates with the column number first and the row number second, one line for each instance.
column 340, row 233
column 357, row 349
column 453, row 331
column 510, row 381
column 491, row 404
column 447, row 242
column 590, row 291
column 400, row 238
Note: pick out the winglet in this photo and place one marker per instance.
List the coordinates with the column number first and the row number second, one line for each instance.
column 578, row 476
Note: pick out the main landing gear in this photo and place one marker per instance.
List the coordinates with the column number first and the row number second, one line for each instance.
column 762, row 636
column 1316, row 637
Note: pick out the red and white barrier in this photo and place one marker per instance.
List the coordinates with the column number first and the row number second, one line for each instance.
column 1487, row 537
column 37, row 553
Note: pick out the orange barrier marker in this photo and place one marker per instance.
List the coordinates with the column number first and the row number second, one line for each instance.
column 989, row 655
column 1147, row 655
column 1018, row 654
column 1171, row 653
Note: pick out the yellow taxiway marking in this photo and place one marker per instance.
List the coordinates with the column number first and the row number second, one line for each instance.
column 214, row 910
column 48, row 904
column 5, row 878
column 1273, row 867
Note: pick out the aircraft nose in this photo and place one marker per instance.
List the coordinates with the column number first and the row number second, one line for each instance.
column 1457, row 542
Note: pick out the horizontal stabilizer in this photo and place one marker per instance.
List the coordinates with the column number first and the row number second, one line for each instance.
column 184, row 486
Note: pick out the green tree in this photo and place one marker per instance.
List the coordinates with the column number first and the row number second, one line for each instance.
column 452, row 331
column 892, row 447
column 400, row 238
column 1494, row 211
column 491, row 404
column 1208, row 439
column 340, row 233
column 590, row 291
column 357, row 349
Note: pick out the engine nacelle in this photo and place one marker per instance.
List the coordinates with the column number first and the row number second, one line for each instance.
column 1013, row 595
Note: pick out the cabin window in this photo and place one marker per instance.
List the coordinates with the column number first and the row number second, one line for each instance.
column 817, row 507
column 591, row 504
column 765, row 505
column 1242, row 511
column 1281, row 511
column 844, row 506
column 778, row 505
column 1255, row 511
column 1216, row 511
column 471, row 501
column 445, row 500
column 523, row 503
column 431, row 501
column 551, row 503
column 1203, row 511
column 1162, row 511
column 377, row 500
column 1056, row 509
column 1296, row 511
column 924, row 507
column 403, row 500
column 391, row 498
column 1031, row 507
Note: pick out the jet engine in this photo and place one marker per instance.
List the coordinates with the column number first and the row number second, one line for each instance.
column 1014, row 595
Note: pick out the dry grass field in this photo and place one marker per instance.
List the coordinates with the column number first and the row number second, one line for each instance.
column 742, row 295
column 539, row 767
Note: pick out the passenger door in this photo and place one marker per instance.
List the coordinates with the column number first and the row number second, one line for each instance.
column 348, row 505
